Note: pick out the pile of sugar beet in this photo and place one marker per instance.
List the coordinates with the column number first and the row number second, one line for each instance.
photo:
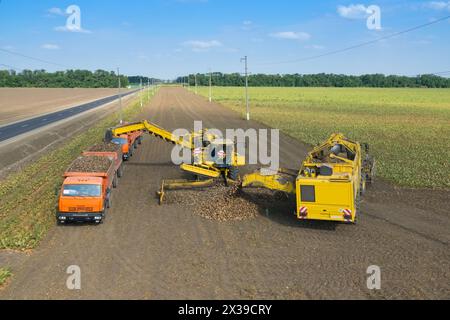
column 222, row 203
column 94, row 163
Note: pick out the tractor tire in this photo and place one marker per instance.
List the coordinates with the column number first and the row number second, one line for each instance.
column 140, row 140
column 234, row 173
column 135, row 145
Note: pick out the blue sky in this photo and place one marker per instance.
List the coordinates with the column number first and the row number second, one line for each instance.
column 167, row 38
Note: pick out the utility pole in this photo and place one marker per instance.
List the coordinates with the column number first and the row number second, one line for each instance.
column 210, row 86
column 247, row 102
column 120, row 98
column 195, row 78
column 140, row 93
column 148, row 89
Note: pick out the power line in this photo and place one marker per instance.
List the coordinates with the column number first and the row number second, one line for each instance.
column 33, row 58
column 11, row 67
column 358, row 45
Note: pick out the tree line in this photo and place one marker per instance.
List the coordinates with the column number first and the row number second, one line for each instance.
column 318, row 80
column 61, row 79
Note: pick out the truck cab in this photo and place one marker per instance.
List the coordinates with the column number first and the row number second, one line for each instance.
column 123, row 140
column 83, row 199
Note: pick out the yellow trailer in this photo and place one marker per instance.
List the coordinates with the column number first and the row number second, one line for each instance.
column 330, row 183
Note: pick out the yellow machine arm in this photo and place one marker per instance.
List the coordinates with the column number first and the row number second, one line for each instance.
column 282, row 180
column 154, row 130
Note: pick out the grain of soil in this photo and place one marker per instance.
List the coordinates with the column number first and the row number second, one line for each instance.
column 148, row 251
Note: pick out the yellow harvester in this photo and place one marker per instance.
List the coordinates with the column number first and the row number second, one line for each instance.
column 330, row 183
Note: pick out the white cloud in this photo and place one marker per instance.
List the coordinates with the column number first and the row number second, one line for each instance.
column 49, row 46
column 439, row 5
column 56, row 12
column 291, row 35
column 202, row 46
column 354, row 11
column 8, row 47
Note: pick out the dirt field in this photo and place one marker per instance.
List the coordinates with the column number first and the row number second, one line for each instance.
column 22, row 103
column 146, row 251
column 19, row 152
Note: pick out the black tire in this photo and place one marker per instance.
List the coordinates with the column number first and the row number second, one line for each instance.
column 135, row 145
column 140, row 140
column 234, row 173
column 120, row 171
column 363, row 186
column 115, row 181
column 357, row 208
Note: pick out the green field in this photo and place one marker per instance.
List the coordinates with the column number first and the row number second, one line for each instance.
column 408, row 129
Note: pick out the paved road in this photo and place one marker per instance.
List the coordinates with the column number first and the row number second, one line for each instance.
column 13, row 130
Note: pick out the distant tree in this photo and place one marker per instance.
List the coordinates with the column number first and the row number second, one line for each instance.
column 319, row 80
column 60, row 79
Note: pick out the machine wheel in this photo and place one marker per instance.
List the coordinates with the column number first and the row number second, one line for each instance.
column 234, row 173
column 120, row 171
column 115, row 182
column 135, row 144
column 140, row 140
column 363, row 186
column 357, row 207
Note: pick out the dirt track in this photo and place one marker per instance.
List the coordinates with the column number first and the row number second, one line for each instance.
column 21, row 103
column 147, row 251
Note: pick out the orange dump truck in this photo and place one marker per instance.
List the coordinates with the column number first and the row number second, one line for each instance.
column 129, row 142
column 85, row 195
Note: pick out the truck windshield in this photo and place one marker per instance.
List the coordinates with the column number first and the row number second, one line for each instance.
column 82, row 190
column 119, row 141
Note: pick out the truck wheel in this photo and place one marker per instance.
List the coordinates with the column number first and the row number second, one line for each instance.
column 140, row 140
column 115, row 183
column 135, row 145
column 120, row 171
column 234, row 173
